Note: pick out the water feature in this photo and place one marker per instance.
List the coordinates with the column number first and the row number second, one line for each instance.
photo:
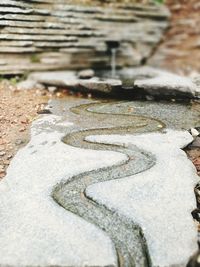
column 113, row 62
column 113, row 47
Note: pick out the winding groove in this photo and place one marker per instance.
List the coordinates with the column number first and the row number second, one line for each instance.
column 127, row 237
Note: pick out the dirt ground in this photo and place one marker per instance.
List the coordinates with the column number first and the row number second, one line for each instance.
column 194, row 156
column 17, row 110
column 180, row 48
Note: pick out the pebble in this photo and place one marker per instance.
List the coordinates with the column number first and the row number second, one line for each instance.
column 1, row 168
column 19, row 142
column 52, row 89
column 44, row 111
column 22, row 129
column 2, row 153
column 2, row 148
column 2, row 174
column 86, row 74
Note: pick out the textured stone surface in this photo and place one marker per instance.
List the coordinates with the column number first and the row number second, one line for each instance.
column 29, row 85
column 75, row 35
column 179, row 51
column 55, row 78
column 36, row 231
column 142, row 80
column 159, row 200
column 161, row 83
column 70, row 80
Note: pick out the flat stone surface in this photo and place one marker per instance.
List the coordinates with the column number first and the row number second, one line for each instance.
column 163, row 83
column 144, row 81
column 158, row 197
column 100, row 85
column 29, row 85
column 70, row 80
column 159, row 200
column 36, row 231
column 55, row 78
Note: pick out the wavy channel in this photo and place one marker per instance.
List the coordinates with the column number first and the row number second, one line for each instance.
column 127, row 237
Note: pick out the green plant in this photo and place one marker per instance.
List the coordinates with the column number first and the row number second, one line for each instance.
column 35, row 58
column 159, row 1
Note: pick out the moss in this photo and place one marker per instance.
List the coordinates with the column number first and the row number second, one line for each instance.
column 159, row 1
column 35, row 58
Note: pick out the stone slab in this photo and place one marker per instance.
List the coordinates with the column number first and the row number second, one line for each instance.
column 160, row 199
column 70, row 80
column 163, row 83
column 35, row 230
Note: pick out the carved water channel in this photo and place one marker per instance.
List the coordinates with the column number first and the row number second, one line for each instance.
column 128, row 239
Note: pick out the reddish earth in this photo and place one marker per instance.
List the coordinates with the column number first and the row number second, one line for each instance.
column 180, row 47
column 17, row 110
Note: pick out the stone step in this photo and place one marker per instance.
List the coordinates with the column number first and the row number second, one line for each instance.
column 65, row 32
column 57, row 38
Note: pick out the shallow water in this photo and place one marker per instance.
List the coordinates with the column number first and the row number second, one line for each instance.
column 173, row 115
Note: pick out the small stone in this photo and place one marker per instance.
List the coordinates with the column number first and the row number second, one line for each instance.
column 86, row 74
column 1, row 168
column 22, row 129
column 2, row 153
column 194, row 132
column 2, row 174
column 6, row 162
column 19, row 142
column 52, row 89
column 24, row 120
column 9, row 156
column 2, row 148
column 27, row 85
column 195, row 143
column 59, row 94
column 44, row 111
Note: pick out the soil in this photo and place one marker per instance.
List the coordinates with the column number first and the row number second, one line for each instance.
column 17, row 110
column 194, row 155
column 179, row 50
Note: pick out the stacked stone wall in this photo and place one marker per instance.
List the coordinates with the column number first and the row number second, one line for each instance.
column 62, row 34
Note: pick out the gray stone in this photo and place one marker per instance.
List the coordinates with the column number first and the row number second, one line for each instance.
column 29, row 85
column 70, row 80
column 159, row 200
column 100, row 85
column 57, row 78
column 195, row 143
column 86, row 74
column 196, row 79
column 145, row 199
column 59, row 26
column 43, row 233
column 161, row 83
